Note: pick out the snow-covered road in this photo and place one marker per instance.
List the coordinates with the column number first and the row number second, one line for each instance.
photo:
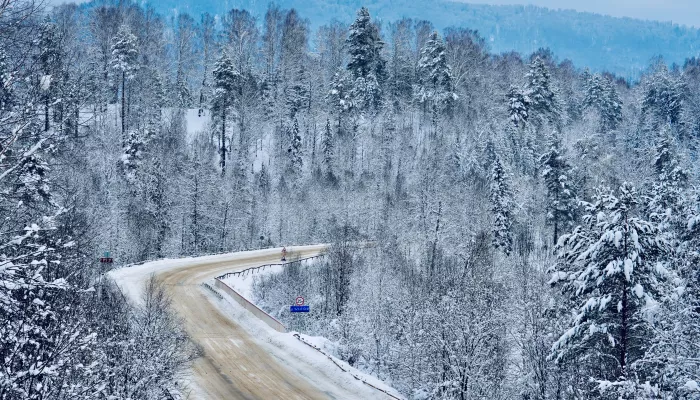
column 242, row 358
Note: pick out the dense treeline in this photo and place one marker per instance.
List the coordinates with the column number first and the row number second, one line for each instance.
column 547, row 216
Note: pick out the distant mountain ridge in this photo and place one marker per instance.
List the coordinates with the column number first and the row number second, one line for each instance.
column 624, row 46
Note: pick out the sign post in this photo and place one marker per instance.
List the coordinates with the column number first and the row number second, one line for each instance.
column 106, row 259
column 299, row 307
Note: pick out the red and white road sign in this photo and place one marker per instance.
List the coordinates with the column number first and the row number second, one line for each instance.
column 299, row 301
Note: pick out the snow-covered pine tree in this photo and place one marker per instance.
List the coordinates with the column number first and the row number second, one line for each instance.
column 327, row 148
column 340, row 95
column 435, row 86
column 132, row 157
column 297, row 92
column 296, row 162
column 663, row 97
column 264, row 180
column 501, row 206
column 611, row 113
column 561, row 204
column 518, row 106
column 542, row 94
column 226, row 83
column 366, row 64
column 602, row 96
column 612, row 271
column 125, row 63
column 666, row 203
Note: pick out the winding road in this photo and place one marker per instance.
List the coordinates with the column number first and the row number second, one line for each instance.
column 235, row 365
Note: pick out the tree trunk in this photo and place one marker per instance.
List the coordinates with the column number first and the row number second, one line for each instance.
column 223, row 140
column 46, row 112
column 123, row 108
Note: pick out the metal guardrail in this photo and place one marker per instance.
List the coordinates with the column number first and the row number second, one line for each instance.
column 254, row 269
column 214, row 291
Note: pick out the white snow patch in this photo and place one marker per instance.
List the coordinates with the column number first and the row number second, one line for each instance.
column 45, row 82
column 692, row 386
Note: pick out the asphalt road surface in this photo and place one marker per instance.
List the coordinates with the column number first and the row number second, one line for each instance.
column 234, row 365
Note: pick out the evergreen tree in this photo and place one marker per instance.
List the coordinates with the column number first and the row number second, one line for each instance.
column 502, row 207
column 264, row 180
column 602, row 96
column 296, row 162
column 561, row 198
column 366, row 65
column 541, row 92
column 434, row 75
column 518, row 107
column 663, row 97
column 340, row 95
column 125, row 62
column 667, row 192
column 133, row 155
column 611, row 269
column 327, row 147
column 226, row 84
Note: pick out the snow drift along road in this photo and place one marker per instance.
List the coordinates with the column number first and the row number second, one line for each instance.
column 236, row 365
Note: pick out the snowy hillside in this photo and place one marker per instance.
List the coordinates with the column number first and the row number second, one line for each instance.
column 623, row 46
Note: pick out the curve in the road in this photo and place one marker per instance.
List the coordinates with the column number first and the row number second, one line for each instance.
column 233, row 365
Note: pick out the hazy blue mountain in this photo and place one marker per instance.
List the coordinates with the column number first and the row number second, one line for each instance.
column 621, row 45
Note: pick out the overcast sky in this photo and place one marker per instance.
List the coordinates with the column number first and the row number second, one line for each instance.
column 684, row 12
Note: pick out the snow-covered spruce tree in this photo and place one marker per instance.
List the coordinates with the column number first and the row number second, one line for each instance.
column 366, row 65
column 501, row 206
column 132, row 157
column 226, row 83
column 612, row 271
column 561, row 205
column 125, row 63
column 602, row 96
column 663, row 99
column 295, row 150
column 435, row 86
column 666, row 203
column 518, row 106
column 327, row 148
column 542, row 94
column 339, row 97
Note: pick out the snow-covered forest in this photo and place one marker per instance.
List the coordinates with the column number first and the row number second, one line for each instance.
column 535, row 227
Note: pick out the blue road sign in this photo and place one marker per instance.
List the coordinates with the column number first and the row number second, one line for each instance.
column 299, row 308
